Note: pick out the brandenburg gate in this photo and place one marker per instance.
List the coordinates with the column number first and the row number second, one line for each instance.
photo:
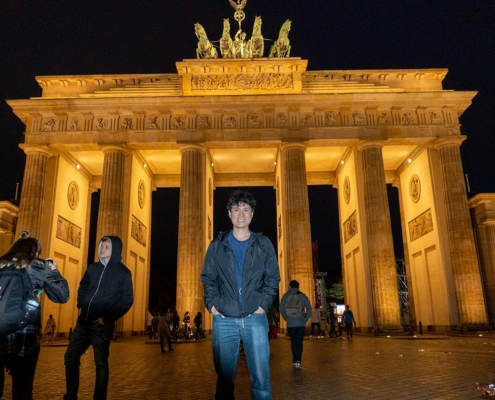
column 255, row 121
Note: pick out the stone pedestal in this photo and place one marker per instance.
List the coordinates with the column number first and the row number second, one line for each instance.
column 298, row 228
column 33, row 190
column 382, row 266
column 464, row 259
column 190, row 253
column 110, row 213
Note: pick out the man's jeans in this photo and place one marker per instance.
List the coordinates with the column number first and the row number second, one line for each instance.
column 99, row 336
column 227, row 333
column 296, row 334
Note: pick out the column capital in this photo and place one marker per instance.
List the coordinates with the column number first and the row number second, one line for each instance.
column 36, row 149
column 445, row 141
column 364, row 144
column 396, row 182
column 291, row 145
column 192, row 146
column 114, row 147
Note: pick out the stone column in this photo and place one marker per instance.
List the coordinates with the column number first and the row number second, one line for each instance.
column 403, row 224
column 470, row 301
column 483, row 214
column 383, row 271
column 110, row 212
column 299, row 258
column 190, row 253
column 33, row 190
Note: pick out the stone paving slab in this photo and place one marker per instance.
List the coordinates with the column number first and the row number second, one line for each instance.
column 365, row 368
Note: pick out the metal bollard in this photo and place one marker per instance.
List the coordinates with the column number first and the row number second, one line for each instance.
column 420, row 328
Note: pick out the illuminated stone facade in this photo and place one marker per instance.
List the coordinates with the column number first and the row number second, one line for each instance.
column 261, row 122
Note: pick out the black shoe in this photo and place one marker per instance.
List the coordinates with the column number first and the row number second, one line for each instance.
column 163, row 351
column 171, row 349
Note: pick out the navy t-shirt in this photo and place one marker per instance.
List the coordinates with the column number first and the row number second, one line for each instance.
column 239, row 249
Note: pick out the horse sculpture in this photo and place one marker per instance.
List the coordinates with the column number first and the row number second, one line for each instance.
column 257, row 43
column 281, row 47
column 226, row 42
column 205, row 48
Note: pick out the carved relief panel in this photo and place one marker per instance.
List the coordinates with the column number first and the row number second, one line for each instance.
column 230, row 121
column 49, row 124
column 332, row 119
column 384, row 118
column 178, row 122
column 281, row 119
column 350, row 227
column 255, row 121
column 409, row 118
column 421, row 225
column 307, row 119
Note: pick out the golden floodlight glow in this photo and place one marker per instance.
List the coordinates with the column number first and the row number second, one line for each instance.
column 78, row 166
column 409, row 160
column 145, row 165
column 342, row 162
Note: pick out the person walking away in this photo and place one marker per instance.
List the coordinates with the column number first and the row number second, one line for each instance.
column 240, row 277
column 104, row 295
column 164, row 329
column 19, row 350
column 296, row 310
column 333, row 321
column 315, row 321
column 148, row 325
column 198, row 323
column 50, row 328
column 348, row 318
column 187, row 325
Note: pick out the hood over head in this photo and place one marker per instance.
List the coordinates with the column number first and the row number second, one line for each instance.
column 116, row 250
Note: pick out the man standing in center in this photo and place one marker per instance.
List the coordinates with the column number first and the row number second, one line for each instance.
column 104, row 295
column 240, row 278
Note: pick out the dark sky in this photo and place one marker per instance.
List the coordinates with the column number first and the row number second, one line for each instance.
column 65, row 37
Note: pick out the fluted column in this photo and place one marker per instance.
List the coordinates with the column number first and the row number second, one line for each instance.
column 190, row 254
column 110, row 212
column 298, row 227
column 33, row 190
column 470, row 301
column 381, row 257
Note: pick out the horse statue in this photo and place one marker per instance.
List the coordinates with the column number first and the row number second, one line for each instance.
column 226, row 43
column 281, row 47
column 257, row 43
column 205, row 48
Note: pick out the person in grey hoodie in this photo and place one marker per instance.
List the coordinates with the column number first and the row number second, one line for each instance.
column 104, row 295
column 296, row 320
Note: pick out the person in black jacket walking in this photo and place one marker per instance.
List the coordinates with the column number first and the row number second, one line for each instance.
column 104, row 295
column 296, row 310
column 240, row 278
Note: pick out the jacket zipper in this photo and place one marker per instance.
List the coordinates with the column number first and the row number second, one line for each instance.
column 97, row 288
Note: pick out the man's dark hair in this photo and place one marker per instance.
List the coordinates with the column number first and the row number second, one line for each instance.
column 294, row 284
column 240, row 196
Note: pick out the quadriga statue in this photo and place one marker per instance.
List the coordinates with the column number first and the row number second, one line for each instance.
column 281, row 47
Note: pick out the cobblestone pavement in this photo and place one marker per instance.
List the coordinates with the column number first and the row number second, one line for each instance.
column 366, row 368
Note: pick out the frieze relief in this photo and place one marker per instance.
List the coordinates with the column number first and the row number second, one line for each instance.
column 138, row 231
column 100, row 124
column 421, row 225
column 435, row 118
column 332, row 119
column 384, row 118
column 49, row 125
column 409, row 118
column 178, row 122
column 358, row 119
column 75, row 125
column 152, row 122
column 204, row 122
column 126, row 123
column 350, row 227
column 255, row 122
column 230, row 122
column 68, row 232
column 307, row 120
column 282, row 119
column 261, row 81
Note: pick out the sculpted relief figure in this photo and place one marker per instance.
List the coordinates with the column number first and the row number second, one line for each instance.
column 205, row 48
column 281, row 47
column 242, row 47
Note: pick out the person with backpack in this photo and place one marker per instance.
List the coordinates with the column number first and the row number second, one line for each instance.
column 22, row 277
column 296, row 310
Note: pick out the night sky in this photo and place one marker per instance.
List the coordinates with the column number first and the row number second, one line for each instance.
column 128, row 37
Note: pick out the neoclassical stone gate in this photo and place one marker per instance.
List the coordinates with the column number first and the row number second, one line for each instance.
column 259, row 122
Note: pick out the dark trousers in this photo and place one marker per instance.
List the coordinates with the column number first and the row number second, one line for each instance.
column 22, row 370
column 169, row 341
column 296, row 340
column 348, row 329
column 332, row 333
column 317, row 324
column 99, row 337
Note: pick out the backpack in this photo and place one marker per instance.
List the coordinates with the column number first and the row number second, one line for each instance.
column 15, row 291
column 294, row 306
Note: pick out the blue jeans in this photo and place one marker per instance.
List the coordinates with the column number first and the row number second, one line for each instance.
column 227, row 333
column 99, row 336
column 296, row 334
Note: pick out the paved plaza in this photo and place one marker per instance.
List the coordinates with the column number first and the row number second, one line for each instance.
column 366, row 368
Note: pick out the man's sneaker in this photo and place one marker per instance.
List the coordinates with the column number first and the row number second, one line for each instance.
column 319, row 337
column 297, row 365
column 311, row 336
